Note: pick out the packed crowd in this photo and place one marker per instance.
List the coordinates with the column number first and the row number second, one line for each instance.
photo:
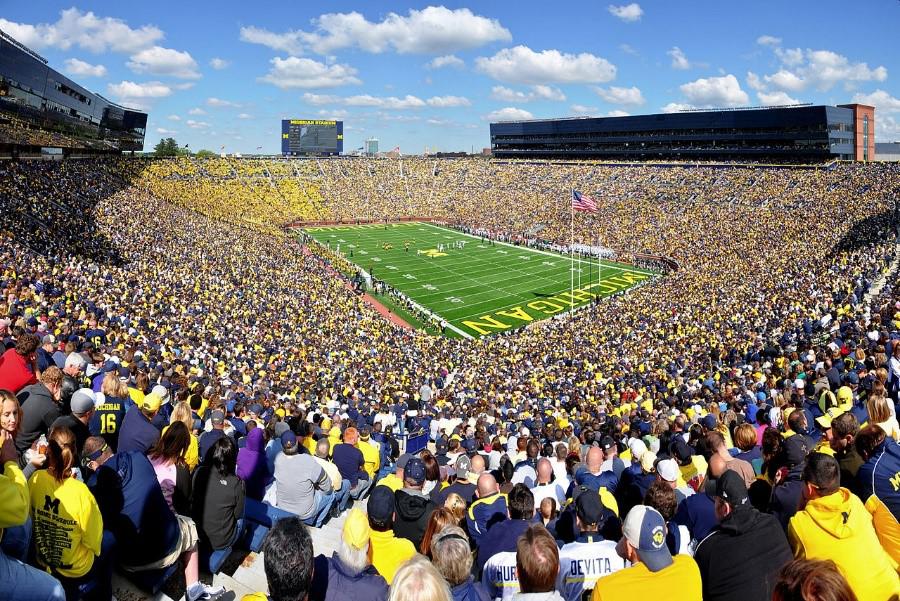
column 178, row 370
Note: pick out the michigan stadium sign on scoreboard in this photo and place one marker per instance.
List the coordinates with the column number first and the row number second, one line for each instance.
column 301, row 137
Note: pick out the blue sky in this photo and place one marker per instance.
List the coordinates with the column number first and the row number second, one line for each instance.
column 435, row 75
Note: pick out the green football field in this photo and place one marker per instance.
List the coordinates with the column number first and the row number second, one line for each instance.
column 478, row 288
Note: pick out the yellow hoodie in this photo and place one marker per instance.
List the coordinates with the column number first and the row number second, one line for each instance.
column 838, row 527
column 14, row 500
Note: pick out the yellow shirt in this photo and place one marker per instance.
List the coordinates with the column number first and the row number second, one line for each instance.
column 14, row 501
column 388, row 552
column 68, row 527
column 192, row 455
column 678, row 582
column 392, row 482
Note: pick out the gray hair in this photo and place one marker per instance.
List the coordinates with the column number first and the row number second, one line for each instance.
column 451, row 555
column 355, row 560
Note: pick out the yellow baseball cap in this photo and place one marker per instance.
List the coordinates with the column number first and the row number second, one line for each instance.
column 832, row 414
column 356, row 530
column 151, row 402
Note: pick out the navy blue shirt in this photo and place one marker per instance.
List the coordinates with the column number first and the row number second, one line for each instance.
column 137, row 433
column 349, row 461
column 207, row 440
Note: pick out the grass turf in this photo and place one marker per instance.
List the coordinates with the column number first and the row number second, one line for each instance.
column 480, row 288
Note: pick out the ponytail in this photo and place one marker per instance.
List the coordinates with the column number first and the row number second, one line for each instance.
column 61, row 453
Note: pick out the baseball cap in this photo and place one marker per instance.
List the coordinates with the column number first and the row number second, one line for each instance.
column 589, row 508
column 162, row 392
column 441, row 446
column 463, row 466
column 356, row 529
column 381, row 505
column 731, row 488
column 48, row 339
column 415, row 470
column 217, row 417
column 255, row 409
column 668, row 470
column 647, row 461
column 288, row 440
column 151, row 402
column 796, row 448
column 607, row 442
column 829, row 416
column 82, row 401
column 709, row 421
column 281, row 428
column 638, row 448
column 403, row 460
column 645, row 530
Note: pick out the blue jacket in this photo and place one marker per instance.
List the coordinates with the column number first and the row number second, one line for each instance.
column 603, row 479
column 698, row 513
column 484, row 513
column 786, row 496
column 332, row 582
column 134, row 509
column 137, row 433
column 470, row 591
column 502, row 536
column 877, row 481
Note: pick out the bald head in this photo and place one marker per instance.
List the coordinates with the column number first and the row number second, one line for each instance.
column 594, row 459
column 544, row 470
column 476, row 465
column 487, row 486
column 716, row 465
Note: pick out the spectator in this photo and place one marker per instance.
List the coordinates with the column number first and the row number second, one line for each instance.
column 546, row 484
column 303, row 488
column 167, row 459
column 453, row 560
column 40, row 408
column 138, row 433
column 388, row 551
column 218, row 499
column 880, row 415
column 371, row 452
column 440, row 518
column 667, row 471
column 654, row 573
column 809, row 580
column 835, row 525
column 787, row 492
column 502, row 536
column 590, row 557
column 347, row 574
column 288, row 552
column 467, row 472
column 745, row 437
column 209, row 438
column 721, row 459
column 252, row 467
column 488, row 509
column 340, row 486
column 18, row 365
column 68, row 526
column 148, row 535
column 537, row 564
column 591, row 473
column 82, row 406
column 844, row 429
column 351, row 463
column 395, row 481
column 740, row 558
column 661, row 497
column 876, row 480
column 413, row 507
column 419, row 580
column 108, row 418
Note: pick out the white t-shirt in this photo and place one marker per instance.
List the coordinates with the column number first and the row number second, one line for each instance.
column 582, row 564
column 499, row 576
column 553, row 489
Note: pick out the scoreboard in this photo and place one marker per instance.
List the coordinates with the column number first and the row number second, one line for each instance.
column 311, row 137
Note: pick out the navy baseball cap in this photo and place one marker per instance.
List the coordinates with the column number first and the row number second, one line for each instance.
column 414, row 470
column 288, row 440
column 645, row 530
column 381, row 505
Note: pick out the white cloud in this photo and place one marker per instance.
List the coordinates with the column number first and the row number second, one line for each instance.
column 887, row 129
column 538, row 92
column 523, row 65
column 173, row 118
column 755, row 82
column 679, row 60
column 778, row 98
column 73, row 66
column 219, row 63
column 294, row 72
column 618, row 113
column 244, row 116
column 448, row 101
column 626, row 12
column 164, row 61
column 389, row 102
column 509, row 113
column 722, row 91
column 138, row 95
column 333, row 115
column 582, row 110
column 768, row 40
column 432, row 30
column 881, row 100
column 84, row 30
column 280, row 42
column 319, row 99
column 628, row 49
column 448, row 60
column 165, row 132
column 197, row 124
column 674, row 107
column 819, row 69
column 616, row 95
column 196, row 111
column 219, row 103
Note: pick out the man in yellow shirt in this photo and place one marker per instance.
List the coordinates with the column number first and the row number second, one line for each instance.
column 654, row 574
column 388, row 551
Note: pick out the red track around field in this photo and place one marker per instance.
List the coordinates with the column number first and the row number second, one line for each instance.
column 385, row 312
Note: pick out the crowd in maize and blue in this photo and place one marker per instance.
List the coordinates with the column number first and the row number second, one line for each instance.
column 187, row 388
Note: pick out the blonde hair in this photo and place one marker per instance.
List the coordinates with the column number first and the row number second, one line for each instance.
column 879, row 411
column 61, row 453
column 452, row 556
column 113, row 387
column 457, row 505
column 418, row 580
column 5, row 396
column 182, row 413
column 745, row 437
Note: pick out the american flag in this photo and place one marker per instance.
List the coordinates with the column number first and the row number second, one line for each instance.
column 583, row 202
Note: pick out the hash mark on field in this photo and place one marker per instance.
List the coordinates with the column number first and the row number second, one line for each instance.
column 410, row 276
column 549, row 263
column 376, row 259
column 453, row 299
column 351, row 246
column 431, row 287
column 391, row 267
column 525, row 257
column 363, row 252
column 503, row 252
column 341, row 240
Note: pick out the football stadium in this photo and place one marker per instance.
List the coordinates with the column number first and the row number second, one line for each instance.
column 625, row 324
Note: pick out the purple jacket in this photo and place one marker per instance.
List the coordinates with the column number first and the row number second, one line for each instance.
column 251, row 465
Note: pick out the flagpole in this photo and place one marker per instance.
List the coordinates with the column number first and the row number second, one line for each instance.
column 571, row 244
